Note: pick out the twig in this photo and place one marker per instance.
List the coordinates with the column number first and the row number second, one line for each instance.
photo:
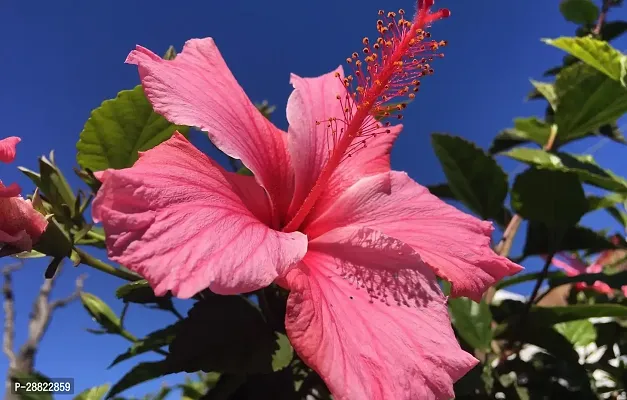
column 59, row 303
column 43, row 308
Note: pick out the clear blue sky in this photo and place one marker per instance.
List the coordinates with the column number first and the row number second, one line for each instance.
column 62, row 58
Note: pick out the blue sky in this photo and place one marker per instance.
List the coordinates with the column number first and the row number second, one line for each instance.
column 62, row 59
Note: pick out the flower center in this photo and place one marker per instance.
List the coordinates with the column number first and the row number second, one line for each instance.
column 392, row 67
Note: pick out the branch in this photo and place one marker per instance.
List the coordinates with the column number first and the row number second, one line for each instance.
column 41, row 315
column 68, row 299
column 9, row 312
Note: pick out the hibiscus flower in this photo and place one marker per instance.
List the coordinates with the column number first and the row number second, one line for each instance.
column 20, row 224
column 358, row 245
column 573, row 266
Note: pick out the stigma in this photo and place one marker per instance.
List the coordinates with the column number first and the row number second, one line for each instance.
column 385, row 76
column 387, row 73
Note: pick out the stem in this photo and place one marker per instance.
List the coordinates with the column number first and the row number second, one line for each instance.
column 176, row 313
column 93, row 262
column 131, row 338
column 95, row 236
column 605, row 8
column 536, row 289
column 551, row 141
column 505, row 245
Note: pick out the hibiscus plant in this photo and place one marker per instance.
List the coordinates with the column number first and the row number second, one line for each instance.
column 313, row 270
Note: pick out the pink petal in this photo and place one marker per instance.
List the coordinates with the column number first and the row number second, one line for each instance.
column 455, row 245
column 13, row 190
column 369, row 317
column 7, row 148
column 20, row 224
column 565, row 263
column 314, row 100
column 568, row 261
column 602, row 287
column 176, row 220
column 197, row 89
column 624, row 290
column 594, row 268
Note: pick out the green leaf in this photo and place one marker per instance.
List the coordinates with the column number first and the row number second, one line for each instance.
column 226, row 334
column 613, row 29
column 575, row 238
column 101, row 312
column 162, row 393
column 579, row 11
column 583, row 165
column 579, row 333
column 554, row 198
column 120, row 128
column 140, row 373
column 506, row 139
column 140, row 292
column 612, row 131
column 245, row 171
column 619, row 216
column 94, row 393
column 588, row 100
column 574, row 312
column 170, row 53
column 472, row 321
column 442, row 190
column 283, row 355
column 545, row 90
column 525, row 130
column 265, row 109
column 599, row 202
column 54, row 185
column 225, row 387
column 152, row 341
column 596, row 53
column 54, row 241
column 474, row 177
column 542, row 336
